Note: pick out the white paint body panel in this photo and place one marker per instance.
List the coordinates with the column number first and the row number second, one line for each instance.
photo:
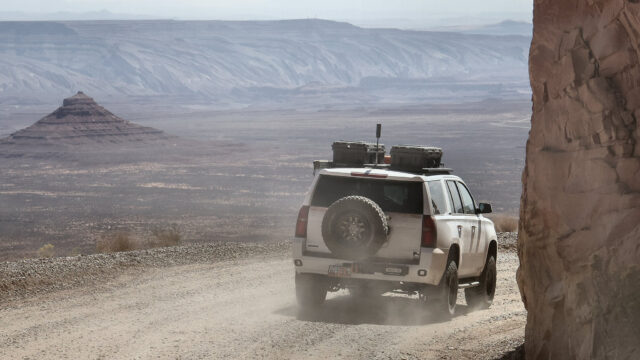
column 473, row 239
column 403, row 242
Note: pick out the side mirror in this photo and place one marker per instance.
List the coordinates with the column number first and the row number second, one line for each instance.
column 483, row 208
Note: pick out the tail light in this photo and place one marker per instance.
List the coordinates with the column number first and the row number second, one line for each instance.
column 429, row 231
column 301, row 224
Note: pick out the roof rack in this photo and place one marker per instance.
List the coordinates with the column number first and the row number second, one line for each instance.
column 412, row 159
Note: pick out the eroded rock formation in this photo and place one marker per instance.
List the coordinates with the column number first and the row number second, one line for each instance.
column 80, row 120
column 579, row 243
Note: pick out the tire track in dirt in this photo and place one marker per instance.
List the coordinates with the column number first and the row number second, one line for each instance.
column 246, row 309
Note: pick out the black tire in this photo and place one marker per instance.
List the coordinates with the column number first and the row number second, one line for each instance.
column 311, row 290
column 445, row 301
column 354, row 228
column 481, row 297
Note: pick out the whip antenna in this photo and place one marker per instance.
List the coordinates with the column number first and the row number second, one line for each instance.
column 378, row 132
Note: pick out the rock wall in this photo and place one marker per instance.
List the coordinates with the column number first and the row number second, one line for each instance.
column 579, row 242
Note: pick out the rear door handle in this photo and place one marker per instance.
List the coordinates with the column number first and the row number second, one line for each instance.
column 459, row 230
column 473, row 234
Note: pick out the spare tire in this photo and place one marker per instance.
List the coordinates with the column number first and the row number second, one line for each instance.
column 354, row 228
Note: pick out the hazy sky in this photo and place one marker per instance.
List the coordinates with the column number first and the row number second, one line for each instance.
column 354, row 10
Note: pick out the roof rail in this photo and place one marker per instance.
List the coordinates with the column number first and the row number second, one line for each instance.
column 328, row 164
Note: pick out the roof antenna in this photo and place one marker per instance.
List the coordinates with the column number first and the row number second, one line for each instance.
column 378, row 132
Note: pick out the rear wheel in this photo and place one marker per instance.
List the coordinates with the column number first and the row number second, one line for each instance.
column 311, row 290
column 481, row 297
column 445, row 302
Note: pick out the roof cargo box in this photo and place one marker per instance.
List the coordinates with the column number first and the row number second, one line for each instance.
column 356, row 153
column 415, row 158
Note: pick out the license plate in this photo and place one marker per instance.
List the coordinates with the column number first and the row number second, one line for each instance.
column 393, row 271
column 339, row 271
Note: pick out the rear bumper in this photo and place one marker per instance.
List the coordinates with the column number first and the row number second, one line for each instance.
column 432, row 261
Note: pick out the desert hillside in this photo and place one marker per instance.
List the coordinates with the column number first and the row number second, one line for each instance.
column 237, row 63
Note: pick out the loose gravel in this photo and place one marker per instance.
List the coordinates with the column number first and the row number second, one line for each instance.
column 31, row 277
column 233, row 300
column 507, row 241
column 26, row 278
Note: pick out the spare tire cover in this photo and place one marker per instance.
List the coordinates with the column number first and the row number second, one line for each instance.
column 354, row 227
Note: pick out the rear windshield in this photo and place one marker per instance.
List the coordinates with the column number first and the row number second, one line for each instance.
column 390, row 195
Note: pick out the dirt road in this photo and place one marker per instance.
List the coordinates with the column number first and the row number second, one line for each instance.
column 246, row 309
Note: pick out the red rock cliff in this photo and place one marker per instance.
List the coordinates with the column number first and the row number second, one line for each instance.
column 579, row 241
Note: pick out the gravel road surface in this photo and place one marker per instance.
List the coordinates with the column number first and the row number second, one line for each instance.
column 235, row 306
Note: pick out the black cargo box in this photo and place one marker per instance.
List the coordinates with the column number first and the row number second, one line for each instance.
column 356, row 153
column 415, row 158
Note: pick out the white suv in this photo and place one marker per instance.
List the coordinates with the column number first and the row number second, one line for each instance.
column 371, row 229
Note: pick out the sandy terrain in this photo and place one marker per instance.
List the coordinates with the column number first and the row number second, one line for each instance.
column 245, row 308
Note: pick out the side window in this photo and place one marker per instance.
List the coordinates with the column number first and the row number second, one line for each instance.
column 437, row 197
column 467, row 200
column 455, row 197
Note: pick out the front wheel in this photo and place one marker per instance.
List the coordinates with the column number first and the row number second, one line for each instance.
column 481, row 297
column 311, row 290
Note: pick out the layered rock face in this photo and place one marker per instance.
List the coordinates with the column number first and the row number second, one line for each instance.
column 579, row 242
column 80, row 120
column 244, row 62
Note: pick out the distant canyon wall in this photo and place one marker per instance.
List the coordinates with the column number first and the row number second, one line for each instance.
column 251, row 61
column 579, row 243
